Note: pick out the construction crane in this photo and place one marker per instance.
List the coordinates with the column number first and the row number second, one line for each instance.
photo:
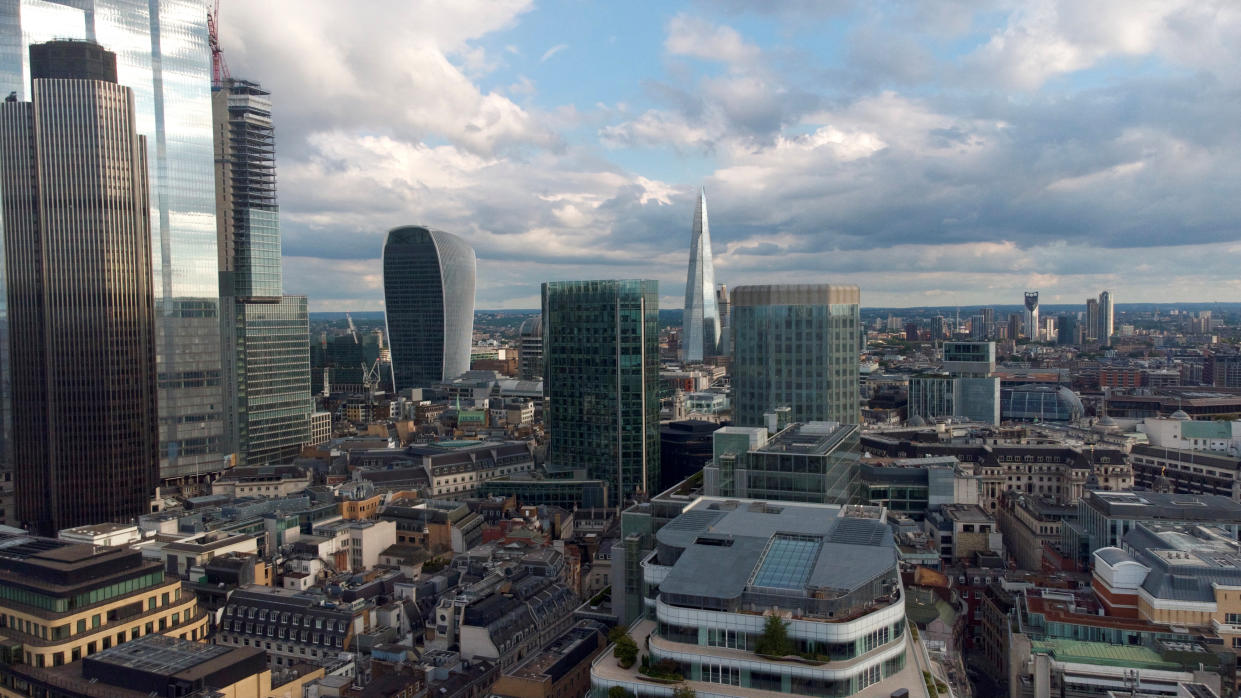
column 370, row 382
column 219, row 68
column 353, row 331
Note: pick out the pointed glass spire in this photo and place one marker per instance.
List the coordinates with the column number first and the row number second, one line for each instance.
column 700, row 324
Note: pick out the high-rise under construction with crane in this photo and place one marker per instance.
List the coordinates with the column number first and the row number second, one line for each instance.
column 265, row 335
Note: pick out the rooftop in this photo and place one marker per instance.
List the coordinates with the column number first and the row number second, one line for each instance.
column 813, row 438
column 1163, row 506
column 730, row 545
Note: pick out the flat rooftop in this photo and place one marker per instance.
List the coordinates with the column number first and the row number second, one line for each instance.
column 812, row 438
column 729, row 545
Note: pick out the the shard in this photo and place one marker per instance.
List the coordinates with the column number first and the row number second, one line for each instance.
column 700, row 324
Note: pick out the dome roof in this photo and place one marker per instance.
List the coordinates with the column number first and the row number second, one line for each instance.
column 1181, row 415
column 917, row 421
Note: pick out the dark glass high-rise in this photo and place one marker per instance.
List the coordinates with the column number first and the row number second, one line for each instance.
column 429, row 278
column 73, row 172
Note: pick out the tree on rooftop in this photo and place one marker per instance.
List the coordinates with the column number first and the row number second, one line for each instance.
column 775, row 640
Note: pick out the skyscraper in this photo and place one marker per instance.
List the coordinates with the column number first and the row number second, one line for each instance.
column 1092, row 319
column 163, row 56
column 429, row 305
column 722, row 303
column 1107, row 318
column 73, row 174
column 700, row 323
column 1032, row 326
column 795, row 346
column 601, row 343
column 988, row 321
column 265, row 336
column 1069, row 330
column 530, row 348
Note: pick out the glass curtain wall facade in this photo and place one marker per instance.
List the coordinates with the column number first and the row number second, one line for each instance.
column 264, row 335
column 700, row 330
column 429, row 278
column 163, row 56
column 273, row 379
column 795, row 346
column 601, row 351
column 73, row 173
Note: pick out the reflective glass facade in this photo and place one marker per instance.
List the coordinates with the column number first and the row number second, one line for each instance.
column 601, row 352
column 73, row 176
column 795, row 346
column 700, row 324
column 429, row 278
column 1040, row 403
column 163, row 56
column 273, row 379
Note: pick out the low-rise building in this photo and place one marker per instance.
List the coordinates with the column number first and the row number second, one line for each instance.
column 364, row 540
column 62, row 601
column 963, row 531
column 1104, row 518
column 291, row 626
column 262, row 481
column 560, row 669
column 165, row 667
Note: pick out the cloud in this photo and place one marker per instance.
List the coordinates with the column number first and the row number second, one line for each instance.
column 948, row 151
column 552, row 51
column 697, row 38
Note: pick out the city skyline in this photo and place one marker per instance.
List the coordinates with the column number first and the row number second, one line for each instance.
column 997, row 151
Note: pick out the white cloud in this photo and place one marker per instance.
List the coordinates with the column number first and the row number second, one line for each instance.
column 697, row 38
column 552, row 51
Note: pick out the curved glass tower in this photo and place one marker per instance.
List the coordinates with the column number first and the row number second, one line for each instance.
column 429, row 305
column 700, row 323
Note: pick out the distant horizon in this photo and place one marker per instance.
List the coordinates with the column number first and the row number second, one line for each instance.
column 1137, row 305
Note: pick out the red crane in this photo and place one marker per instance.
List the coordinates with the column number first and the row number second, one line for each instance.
column 219, row 68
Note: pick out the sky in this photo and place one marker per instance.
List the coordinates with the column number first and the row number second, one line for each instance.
column 936, row 152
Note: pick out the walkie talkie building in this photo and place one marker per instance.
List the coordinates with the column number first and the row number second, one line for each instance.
column 429, row 278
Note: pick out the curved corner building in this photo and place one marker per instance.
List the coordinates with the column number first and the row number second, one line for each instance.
column 429, row 278
column 723, row 566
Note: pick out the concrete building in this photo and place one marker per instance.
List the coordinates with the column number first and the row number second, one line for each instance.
column 364, row 540
column 320, row 428
column 1105, row 517
column 62, row 601
column 262, row 481
column 814, row 371
column 560, row 669
column 164, row 667
column 80, row 303
column 723, row 566
column 530, row 349
column 961, row 531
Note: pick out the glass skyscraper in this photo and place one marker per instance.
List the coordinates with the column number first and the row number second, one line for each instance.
column 265, row 336
column 163, row 56
column 429, row 305
column 795, row 346
column 601, row 353
column 700, row 323
column 73, row 172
